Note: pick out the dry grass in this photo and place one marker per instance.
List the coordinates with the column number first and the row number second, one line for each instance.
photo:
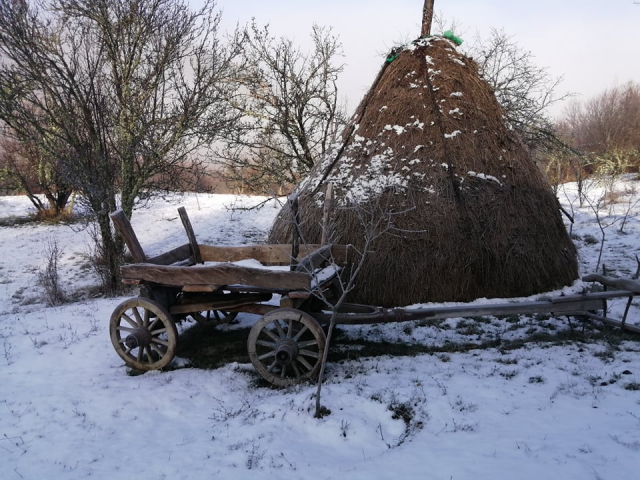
column 472, row 214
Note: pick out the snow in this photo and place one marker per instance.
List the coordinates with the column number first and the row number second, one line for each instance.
column 484, row 176
column 565, row 409
column 396, row 128
column 452, row 134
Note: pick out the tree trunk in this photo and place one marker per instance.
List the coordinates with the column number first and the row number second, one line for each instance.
column 111, row 252
column 427, row 17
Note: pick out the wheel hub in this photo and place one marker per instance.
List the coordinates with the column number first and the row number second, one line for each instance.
column 286, row 351
column 140, row 337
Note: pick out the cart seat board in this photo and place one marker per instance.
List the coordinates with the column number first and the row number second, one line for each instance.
column 221, row 274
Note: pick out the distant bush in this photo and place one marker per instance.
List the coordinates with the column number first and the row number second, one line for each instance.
column 48, row 275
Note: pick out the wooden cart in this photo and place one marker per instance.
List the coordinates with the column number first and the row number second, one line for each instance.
column 285, row 345
column 199, row 281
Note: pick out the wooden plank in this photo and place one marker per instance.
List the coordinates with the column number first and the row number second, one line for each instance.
column 578, row 304
column 195, row 249
column 255, row 308
column 616, row 323
column 223, row 302
column 299, row 294
column 179, row 254
column 222, row 274
column 265, row 254
column 252, row 289
column 201, row 288
column 316, row 259
column 273, row 254
column 124, row 228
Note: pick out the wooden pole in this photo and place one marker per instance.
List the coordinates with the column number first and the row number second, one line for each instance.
column 325, row 214
column 427, row 17
column 122, row 224
column 295, row 232
column 195, row 249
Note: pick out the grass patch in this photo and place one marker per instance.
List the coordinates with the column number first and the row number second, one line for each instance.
column 402, row 411
column 537, row 379
column 208, row 347
column 589, row 239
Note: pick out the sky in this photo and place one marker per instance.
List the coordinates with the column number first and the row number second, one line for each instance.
column 593, row 45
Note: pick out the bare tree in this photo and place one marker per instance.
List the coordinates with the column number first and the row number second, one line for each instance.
column 376, row 221
column 524, row 89
column 604, row 135
column 131, row 90
column 290, row 108
column 30, row 169
column 607, row 121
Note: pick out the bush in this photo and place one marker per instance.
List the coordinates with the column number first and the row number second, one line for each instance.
column 48, row 276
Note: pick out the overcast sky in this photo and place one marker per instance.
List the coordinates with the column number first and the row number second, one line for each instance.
column 592, row 44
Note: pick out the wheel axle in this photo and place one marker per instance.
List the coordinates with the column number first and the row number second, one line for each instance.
column 286, row 351
column 140, row 337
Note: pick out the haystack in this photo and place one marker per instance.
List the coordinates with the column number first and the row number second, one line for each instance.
column 472, row 216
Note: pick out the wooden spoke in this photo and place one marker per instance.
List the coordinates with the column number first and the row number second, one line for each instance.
column 296, row 371
column 125, row 329
column 286, row 358
column 147, row 349
column 270, row 334
column 150, row 327
column 302, row 331
column 153, row 324
column 308, row 353
column 224, row 317
column 156, row 349
column 305, row 363
column 128, row 319
column 279, row 329
column 136, row 314
column 161, row 342
column 267, row 355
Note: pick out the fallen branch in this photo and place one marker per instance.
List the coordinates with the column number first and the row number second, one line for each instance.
column 619, row 283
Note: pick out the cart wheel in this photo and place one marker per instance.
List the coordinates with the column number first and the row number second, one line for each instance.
column 143, row 334
column 286, row 346
column 214, row 317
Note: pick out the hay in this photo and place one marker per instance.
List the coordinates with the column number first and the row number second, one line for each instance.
column 472, row 214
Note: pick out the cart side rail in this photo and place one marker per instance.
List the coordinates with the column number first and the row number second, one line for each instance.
column 273, row 254
column 215, row 276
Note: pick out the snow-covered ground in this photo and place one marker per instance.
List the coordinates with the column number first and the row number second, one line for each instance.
column 565, row 408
